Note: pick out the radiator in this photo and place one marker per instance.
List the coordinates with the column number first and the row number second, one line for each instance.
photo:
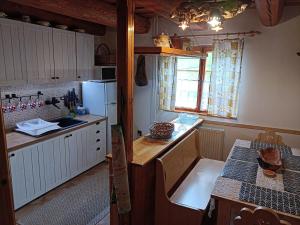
column 211, row 142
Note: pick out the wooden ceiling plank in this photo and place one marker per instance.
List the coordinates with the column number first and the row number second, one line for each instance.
column 89, row 10
column 18, row 10
column 160, row 7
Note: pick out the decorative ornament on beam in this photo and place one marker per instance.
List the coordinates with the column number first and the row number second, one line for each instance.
column 212, row 12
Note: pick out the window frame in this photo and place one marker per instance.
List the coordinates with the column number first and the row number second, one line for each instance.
column 203, row 49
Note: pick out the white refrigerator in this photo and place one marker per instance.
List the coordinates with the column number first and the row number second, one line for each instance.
column 100, row 98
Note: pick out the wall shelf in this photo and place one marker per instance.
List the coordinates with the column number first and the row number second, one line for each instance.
column 166, row 51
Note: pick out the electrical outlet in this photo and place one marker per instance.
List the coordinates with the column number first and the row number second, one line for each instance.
column 140, row 133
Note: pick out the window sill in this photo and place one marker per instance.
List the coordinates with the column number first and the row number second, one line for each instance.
column 208, row 117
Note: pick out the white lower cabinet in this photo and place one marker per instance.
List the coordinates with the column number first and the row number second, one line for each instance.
column 39, row 168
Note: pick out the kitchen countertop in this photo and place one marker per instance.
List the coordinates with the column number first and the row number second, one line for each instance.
column 17, row 140
column 145, row 149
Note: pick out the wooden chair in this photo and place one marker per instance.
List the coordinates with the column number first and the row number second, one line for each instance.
column 270, row 137
column 259, row 216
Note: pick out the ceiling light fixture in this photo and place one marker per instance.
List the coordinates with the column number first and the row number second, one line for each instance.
column 212, row 12
column 183, row 25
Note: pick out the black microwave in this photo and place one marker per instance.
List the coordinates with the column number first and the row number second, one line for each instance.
column 105, row 72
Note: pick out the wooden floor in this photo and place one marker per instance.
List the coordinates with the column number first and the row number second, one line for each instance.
column 50, row 195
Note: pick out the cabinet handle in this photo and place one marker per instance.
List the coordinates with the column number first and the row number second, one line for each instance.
column 53, row 78
column 67, row 136
column 97, row 123
column 70, row 135
column 57, row 78
column 78, row 76
column 98, row 131
column 98, row 149
column 12, row 155
column 97, row 140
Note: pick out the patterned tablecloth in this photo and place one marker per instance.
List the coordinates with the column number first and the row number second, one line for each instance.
column 243, row 180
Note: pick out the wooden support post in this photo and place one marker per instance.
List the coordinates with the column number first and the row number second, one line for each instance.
column 7, row 214
column 125, row 67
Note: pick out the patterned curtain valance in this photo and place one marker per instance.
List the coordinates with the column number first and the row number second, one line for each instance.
column 167, row 82
column 225, row 77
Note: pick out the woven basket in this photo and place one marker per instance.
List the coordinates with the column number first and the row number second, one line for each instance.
column 162, row 130
column 104, row 56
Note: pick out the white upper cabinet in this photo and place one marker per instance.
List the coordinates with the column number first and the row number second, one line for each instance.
column 39, row 53
column 85, row 56
column 64, row 44
column 31, row 53
column 12, row 53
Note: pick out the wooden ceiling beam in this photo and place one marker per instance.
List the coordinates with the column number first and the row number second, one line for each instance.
column 270, row 12
column 160, row 7
column 94, row 11
column 15, row 11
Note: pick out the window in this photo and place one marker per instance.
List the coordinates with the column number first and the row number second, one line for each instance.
column 193, row 79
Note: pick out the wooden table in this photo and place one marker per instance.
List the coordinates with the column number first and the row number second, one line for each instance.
column 142, row 170
column 242, row 184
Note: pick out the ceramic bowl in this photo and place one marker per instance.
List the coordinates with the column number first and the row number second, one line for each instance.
column 43, row 23
column 3, row 15
column 79, row 30
column 61, row 26
column 270, row 158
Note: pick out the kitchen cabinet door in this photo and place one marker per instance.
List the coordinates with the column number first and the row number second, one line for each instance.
column 81, row 141
column 85, row 56
column 96, row 150
column 12, row 53
column 51, row 163
column 27, row 171
column 73, row 149
column 91, row 146
column 39, row 53
column 33, row 168
column 64, row 158
column 101, row 153
column 64, row 55
column 17, row 169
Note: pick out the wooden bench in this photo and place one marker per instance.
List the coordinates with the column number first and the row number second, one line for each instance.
column 184, row 182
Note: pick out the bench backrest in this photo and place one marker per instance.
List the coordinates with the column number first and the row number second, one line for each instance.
column 179, row 159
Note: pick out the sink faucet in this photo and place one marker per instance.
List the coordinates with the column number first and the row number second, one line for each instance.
column 54, row 101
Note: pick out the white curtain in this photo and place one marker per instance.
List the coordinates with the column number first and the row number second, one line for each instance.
column 225, row 77
column 167, row 77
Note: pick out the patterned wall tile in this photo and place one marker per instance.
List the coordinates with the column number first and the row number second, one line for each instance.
column 45, row 112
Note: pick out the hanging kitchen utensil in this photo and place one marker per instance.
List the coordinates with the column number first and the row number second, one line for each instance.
column 140, row 76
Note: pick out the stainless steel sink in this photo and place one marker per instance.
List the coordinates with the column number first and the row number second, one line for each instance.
column 67, row 122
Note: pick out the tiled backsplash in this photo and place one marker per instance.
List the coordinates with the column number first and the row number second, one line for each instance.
column 46, row 112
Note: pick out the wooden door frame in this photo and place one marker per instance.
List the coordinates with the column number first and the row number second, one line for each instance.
column 7, row 216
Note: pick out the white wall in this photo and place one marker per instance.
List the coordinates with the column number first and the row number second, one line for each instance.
column 110, row 38
column 270, row 80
